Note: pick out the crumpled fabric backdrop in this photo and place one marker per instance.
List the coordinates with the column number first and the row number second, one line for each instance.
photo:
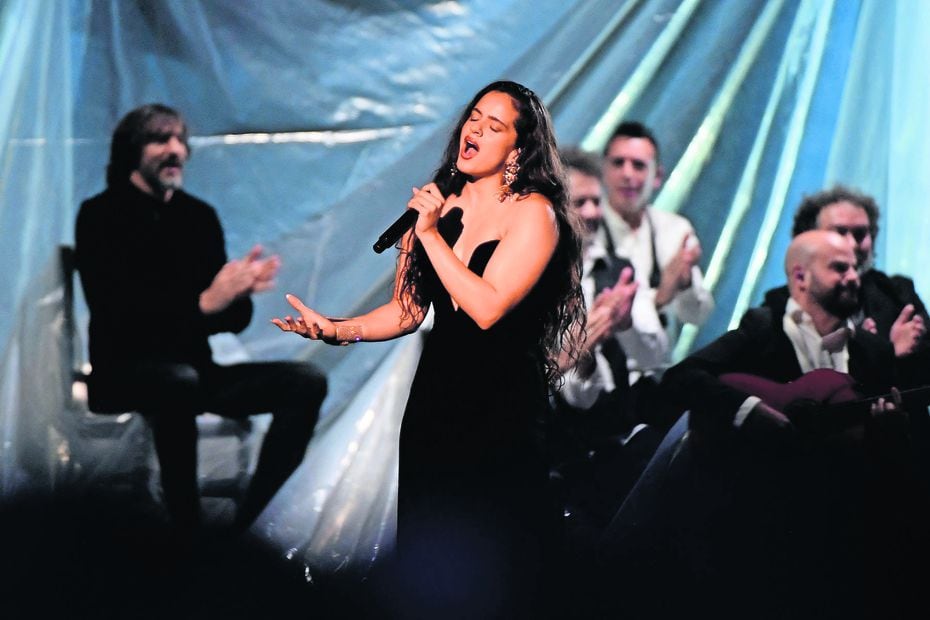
column 311, row 120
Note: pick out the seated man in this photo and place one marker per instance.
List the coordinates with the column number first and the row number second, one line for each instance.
column 811, row 330
column 156, row 278
column 765, row 507
column 888, row 305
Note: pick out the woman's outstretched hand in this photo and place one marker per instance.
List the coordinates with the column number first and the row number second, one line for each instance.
column 310, row 324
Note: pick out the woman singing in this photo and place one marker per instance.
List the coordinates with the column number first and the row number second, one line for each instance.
column 496, row 254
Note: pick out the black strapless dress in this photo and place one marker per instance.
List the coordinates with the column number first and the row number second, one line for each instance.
column 474, row 515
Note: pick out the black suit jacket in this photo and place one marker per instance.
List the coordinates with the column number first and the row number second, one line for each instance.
column 760, row 346
column 754, row 517
column 882, row 297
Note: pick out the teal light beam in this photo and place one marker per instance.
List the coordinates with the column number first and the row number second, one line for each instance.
column 644, row 73
column 801, row 48
column 590, row 52
column 692, row 162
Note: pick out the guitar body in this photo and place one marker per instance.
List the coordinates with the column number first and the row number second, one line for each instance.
column 842, row 405
column 822, row 385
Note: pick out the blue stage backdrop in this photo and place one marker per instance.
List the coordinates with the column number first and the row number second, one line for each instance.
column 312, row 119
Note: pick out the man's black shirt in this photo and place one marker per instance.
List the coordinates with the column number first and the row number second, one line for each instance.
column 143, row 264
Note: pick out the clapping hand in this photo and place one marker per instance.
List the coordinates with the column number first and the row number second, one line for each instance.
column 263, row 270
column 907, row 331
column 622, row 294
column 612, row 308
column 677, row 274
column 239, row 278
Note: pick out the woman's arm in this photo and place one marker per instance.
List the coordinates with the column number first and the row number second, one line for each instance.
column 383, row 323
column 527, row 242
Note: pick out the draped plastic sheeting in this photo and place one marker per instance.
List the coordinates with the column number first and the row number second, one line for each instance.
column 36, row 213
column 312, row 119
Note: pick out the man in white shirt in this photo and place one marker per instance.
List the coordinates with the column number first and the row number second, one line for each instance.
column 755, row 492
column 811, row 330
column 888, row 304
column 596, row 444
column 664, row 251
column 609, row 291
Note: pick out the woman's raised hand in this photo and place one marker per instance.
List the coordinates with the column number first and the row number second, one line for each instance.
column 428, row 201
column 310, row 324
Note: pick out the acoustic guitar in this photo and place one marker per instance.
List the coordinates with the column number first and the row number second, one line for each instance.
column 841, row 405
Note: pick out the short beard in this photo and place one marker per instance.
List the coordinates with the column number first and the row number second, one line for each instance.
column 840, row 305
column 173, row 183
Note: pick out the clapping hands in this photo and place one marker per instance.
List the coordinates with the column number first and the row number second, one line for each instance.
column 612, row 308
column 239, row 278
column 905, row 333
column 677, row 274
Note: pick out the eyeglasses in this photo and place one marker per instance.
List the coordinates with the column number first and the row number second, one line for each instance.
column 858, row 232
column 580, row 202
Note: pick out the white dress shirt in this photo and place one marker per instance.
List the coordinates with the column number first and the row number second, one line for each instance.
column 578, row 391
column 812, row 350
column 648, row 344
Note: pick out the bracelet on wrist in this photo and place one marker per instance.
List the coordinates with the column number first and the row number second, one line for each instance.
column 348, row 334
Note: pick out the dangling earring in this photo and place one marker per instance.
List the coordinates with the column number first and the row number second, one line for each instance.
column 453, row 170
column 511, row 170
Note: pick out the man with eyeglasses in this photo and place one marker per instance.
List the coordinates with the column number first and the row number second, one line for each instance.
column 889, row 305
column 664, row 251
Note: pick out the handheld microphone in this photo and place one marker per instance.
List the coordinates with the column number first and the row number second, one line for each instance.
column 396, row 230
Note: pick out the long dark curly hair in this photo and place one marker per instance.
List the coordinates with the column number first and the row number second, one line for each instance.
column 540, row 172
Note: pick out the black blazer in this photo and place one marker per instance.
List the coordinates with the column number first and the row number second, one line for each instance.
column 882, row 297
column 760, row 346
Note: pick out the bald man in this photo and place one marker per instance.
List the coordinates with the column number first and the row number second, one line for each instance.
column 888, row 304
column 810, row 330
column 735, row 514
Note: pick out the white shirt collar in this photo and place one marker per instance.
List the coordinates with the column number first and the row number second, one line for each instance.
column 813, row 350
column 596, row 249
column 617, row 226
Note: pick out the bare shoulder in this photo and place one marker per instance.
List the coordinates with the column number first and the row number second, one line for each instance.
column 534, row 201
column 533, row 211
